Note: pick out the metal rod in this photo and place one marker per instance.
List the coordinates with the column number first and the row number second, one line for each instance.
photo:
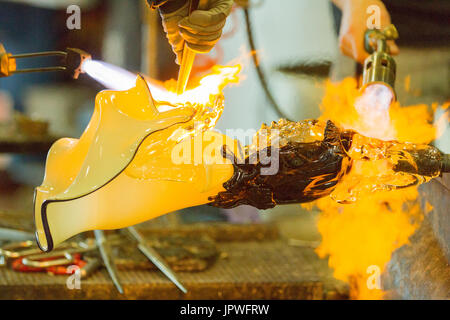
column 188, row 58
column 109, row 264
column 156, row 258
column 136, row 234
column 39, row 54
column 43, row 69
column 15, row 235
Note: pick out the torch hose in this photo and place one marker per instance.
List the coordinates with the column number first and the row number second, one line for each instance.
column 261, row 76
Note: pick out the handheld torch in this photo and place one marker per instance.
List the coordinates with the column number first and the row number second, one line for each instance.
column 379, row 67
column 379, row 74
column 72, row 61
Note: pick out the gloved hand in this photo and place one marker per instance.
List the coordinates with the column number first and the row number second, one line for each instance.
column 200, row 30
column 242, row 3
column 354, row 25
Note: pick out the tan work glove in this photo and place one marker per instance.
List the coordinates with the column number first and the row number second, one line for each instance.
column 242, row 3
column 200, row 30
column 354, row 25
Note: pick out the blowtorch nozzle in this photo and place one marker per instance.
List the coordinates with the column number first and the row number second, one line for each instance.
column 74, row 61
column 379, row 67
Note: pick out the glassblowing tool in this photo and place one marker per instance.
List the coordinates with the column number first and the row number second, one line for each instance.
column 26, row 257
column 105, row 252
column 187, row 60
column 155, row 258
column 72, row 60
column 58, row 266
column 14, row 235
column 379, row 67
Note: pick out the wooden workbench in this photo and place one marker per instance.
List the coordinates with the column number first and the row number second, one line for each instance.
column 246, row 270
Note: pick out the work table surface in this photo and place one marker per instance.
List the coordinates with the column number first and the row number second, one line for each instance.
column 245, row 270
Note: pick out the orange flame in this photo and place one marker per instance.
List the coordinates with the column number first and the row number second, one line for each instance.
column 359, row 238
column 203, row 92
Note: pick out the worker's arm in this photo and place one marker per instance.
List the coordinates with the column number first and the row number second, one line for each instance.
column 355, row 16
column 201, row 30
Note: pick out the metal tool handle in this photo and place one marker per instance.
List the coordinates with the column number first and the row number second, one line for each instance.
column 187, row 60
column 91, row 265
column 37, row 262
column 105, row 254
column 19, row 249
column 15, row 235
column 156, row 258
column 39, row 54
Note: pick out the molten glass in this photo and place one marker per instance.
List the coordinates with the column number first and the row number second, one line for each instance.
column 132, row 159
column 90, row 183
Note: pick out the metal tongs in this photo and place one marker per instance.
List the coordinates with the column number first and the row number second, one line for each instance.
column 155, row 258
column 32, row 257
column 72, row 59
column 64, row 255
column 150, row 253
column 105, row 252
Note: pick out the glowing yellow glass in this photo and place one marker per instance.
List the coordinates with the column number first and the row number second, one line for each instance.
column 119, row 172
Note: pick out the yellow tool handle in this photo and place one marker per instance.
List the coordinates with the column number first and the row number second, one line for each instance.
column 187, row 60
